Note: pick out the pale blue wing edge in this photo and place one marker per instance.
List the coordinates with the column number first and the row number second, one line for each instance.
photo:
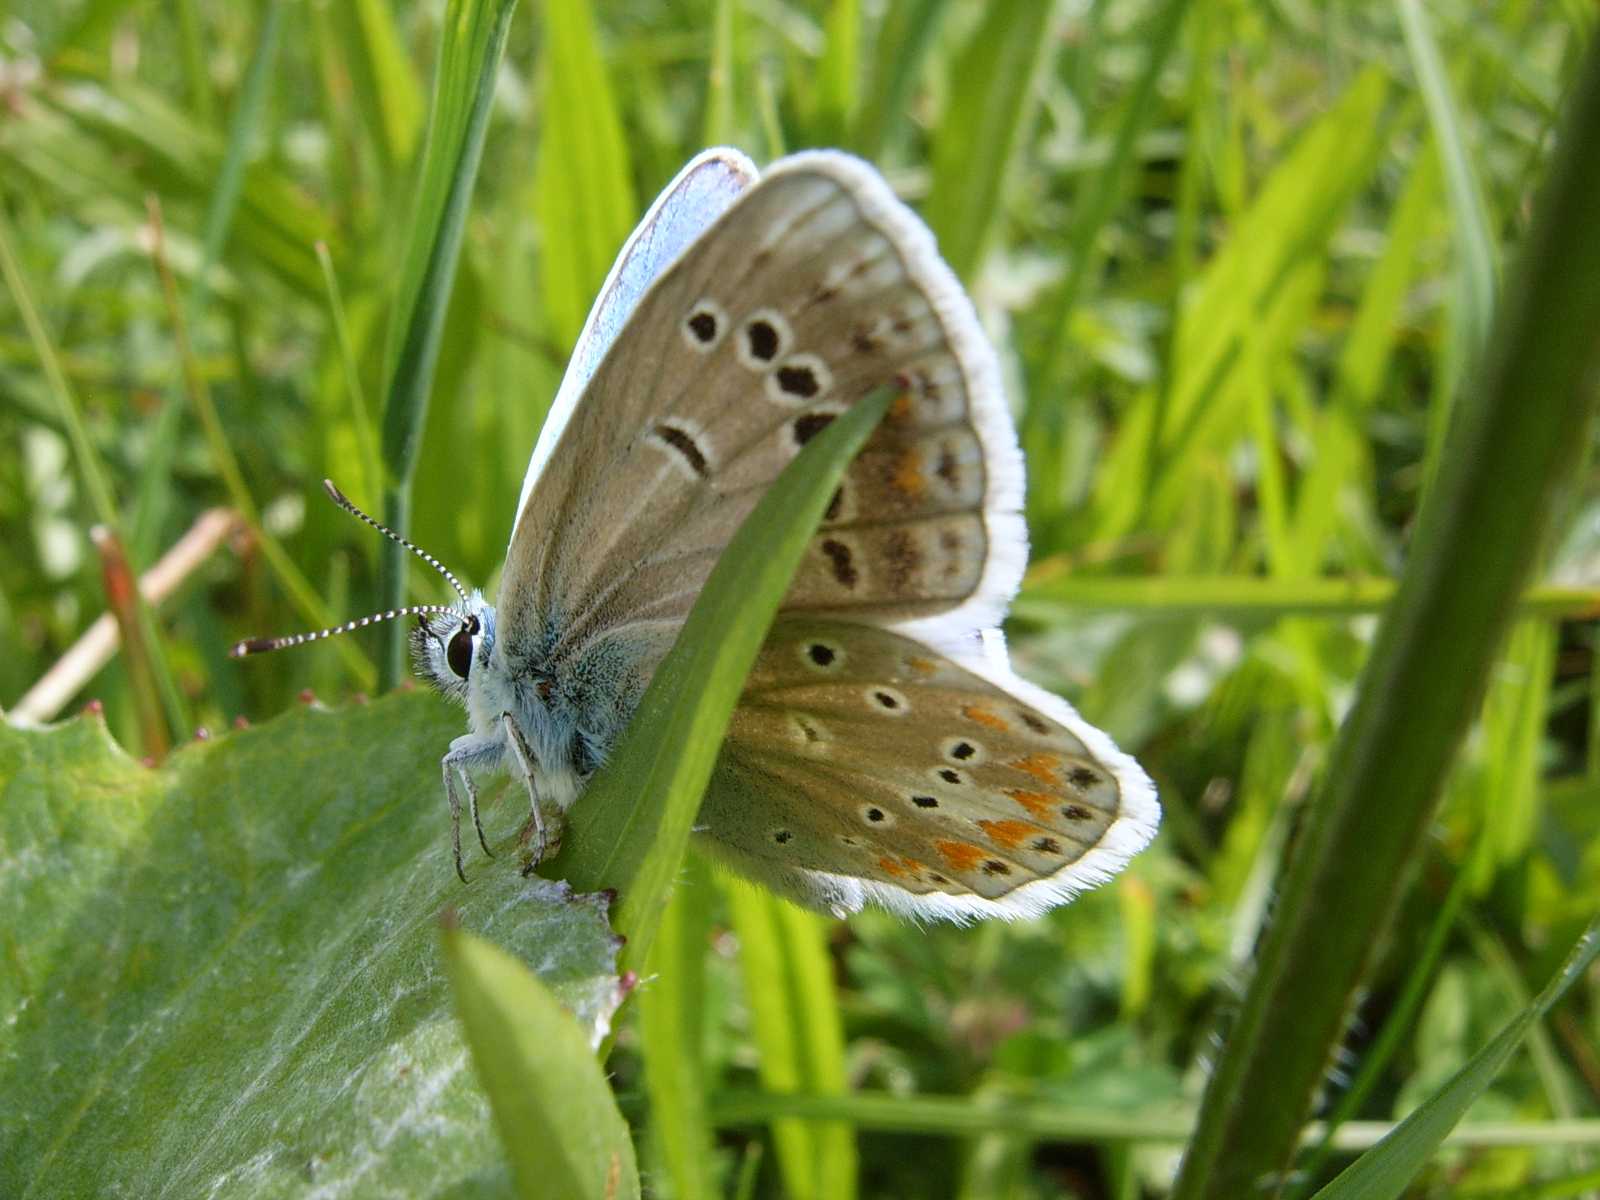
column 701, row 193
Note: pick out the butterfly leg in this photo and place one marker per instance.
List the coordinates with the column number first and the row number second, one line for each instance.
column 542, row 842
column 467, row 754
column 472, row 804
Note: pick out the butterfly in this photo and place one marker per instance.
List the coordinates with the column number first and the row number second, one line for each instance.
column 883, row 749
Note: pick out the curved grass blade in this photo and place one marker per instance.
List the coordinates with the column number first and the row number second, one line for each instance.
column 474, row 39
column 631, row 829
column 557, row 1117
column 1516, row 438
column 1389, row 1167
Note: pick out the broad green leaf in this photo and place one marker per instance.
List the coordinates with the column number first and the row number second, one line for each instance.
column 469, row 60
column 223, row 974
column 1510, row 451
column 631, row 829
column 1388, row 1168
column 551, row 1100
column 583, row 185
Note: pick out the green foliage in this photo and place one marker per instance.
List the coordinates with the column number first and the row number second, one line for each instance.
column 1240, row 261
column 224, row 972
column 556, row 1115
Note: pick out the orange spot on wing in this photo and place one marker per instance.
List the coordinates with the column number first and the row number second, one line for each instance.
column 982, row 716
column 922, row 666
column 908, row 478
column 1009, row 834
column 1041, row 766
column 962, row 856
column 1039, row 804
column 892, row 866
column 901, row 868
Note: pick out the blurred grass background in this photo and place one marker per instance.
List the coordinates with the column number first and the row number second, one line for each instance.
column 1237, row 259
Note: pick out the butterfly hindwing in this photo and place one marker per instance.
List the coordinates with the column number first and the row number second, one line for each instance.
column 866, row 765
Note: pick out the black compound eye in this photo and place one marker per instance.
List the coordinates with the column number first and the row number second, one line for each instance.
column 459, row 652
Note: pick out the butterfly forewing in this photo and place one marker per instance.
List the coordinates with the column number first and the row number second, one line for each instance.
column 815, row 287
column 857, row 752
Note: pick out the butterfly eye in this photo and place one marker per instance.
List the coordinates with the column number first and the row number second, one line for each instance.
column 459, row 652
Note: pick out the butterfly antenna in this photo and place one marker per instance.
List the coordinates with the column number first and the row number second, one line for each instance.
column 262, row 645
column 343, row 502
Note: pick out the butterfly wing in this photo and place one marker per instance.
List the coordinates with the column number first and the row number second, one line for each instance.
column 864, row 765
column 814, row 288
column 701, row 193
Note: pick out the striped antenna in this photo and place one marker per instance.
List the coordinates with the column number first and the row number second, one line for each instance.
column 262, row 645
column 343, row 502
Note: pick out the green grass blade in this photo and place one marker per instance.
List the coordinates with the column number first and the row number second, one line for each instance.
column 672, row 1035
column 552, row 1103
column 1389, row 1167
column 155, row 490
column 994, row 87
column 1048, row 596
column 1092, row 211
column 583, row 190
column 794, row 1011
column 1474, row 243
column 385, row 83
column 839, row 73
column 469, row 60
column 630, row 831
column 1513, row 444
column 718, row 128
column 91, row 471
column 905, row 36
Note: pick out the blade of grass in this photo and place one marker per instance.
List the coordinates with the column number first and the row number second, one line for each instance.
column 1396, row 1026
column 905, row 36
column 289, row 576
column 1047, row 1118
column 1048, row 595
column 631, row 829
column 551, row 1101
column 838, row 74
column 92, row 474
column 155, row 492
column 672, row 1034
column 994, row 88
column 1093, row 209
column 788, row 985
column 583, row 190
column 469, row 60
column 719, row 125
column 386, row 86
column 1514, row 441
column 360, row 416
column 1389, row 1167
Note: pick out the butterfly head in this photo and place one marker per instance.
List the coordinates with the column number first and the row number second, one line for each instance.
column 453, row 649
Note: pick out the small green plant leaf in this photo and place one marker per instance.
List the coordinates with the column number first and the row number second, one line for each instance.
column 1391, row 1165
column 551, row 1102
column 222, row 976
column 630, row 831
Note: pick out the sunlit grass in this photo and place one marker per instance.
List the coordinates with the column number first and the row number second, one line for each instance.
column 1238, row 261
